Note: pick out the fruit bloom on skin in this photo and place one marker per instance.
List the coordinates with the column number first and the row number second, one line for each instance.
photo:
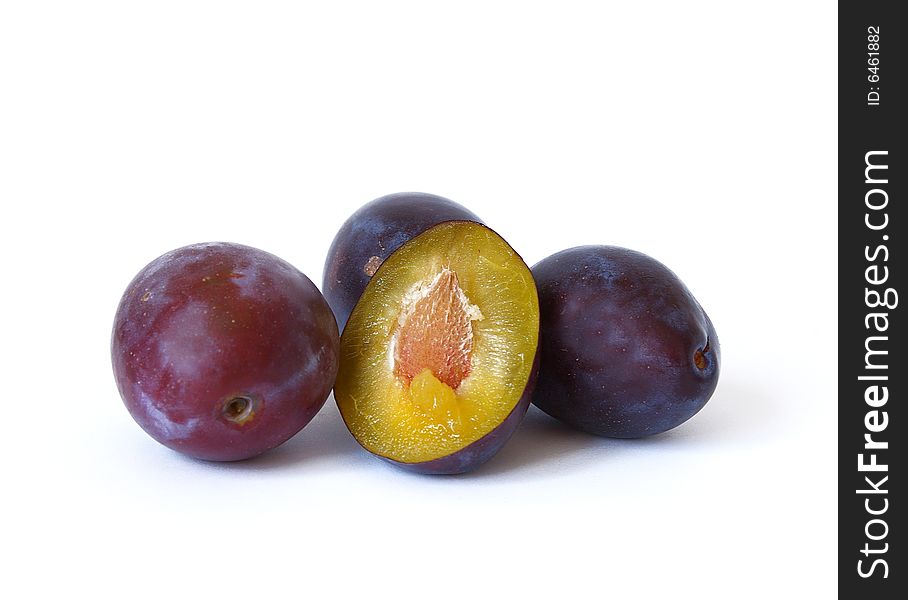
column 439, row 356
column 222, row 351
column 371, row 234
column 626, row 349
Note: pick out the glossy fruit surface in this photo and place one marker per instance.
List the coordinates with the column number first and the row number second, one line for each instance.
column 222, row 351
column 626, row 349
column 438, row 358
column 371, row 234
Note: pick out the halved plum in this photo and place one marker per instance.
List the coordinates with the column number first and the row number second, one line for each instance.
column 438, row 359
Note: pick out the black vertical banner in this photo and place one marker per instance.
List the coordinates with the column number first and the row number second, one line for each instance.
column 873, row 370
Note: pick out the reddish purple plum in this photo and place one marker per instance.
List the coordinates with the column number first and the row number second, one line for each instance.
column 626, row 350
column 222, row 351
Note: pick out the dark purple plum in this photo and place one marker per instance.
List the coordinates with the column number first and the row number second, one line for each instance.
column 626, row 350
column 222, row 351
column 371, row 234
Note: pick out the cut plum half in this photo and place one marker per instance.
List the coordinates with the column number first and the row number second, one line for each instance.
column 438, row 358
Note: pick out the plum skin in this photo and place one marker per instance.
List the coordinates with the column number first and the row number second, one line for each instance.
column 222, row 351
column 627, row 351
column 371, row 234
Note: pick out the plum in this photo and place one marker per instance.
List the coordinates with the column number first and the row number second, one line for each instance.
column 371, row 234
column 222, row 351
column 439, row 357
column 626, row 349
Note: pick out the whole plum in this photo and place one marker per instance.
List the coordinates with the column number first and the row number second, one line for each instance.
column 626, row 350
column 371, row 234
column 222, row 351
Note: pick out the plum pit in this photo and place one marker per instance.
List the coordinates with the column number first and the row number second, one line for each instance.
column 435, row 332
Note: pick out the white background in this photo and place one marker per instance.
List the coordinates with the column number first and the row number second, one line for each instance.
column 702, row 133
